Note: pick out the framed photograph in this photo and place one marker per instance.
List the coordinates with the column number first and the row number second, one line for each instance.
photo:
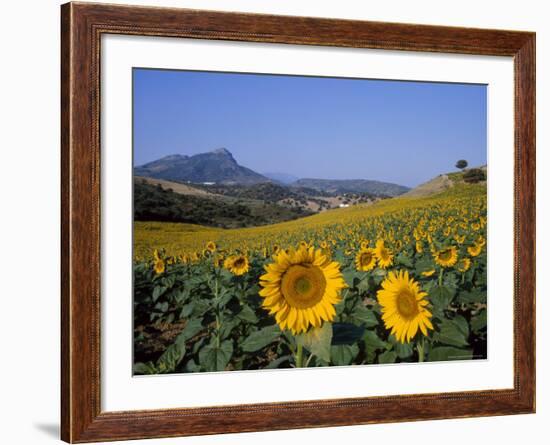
column 275, row 222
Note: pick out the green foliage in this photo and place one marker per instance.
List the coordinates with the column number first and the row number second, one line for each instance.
column 154, row 203
column 196, row 316
column 260, row 339
column 474, row 175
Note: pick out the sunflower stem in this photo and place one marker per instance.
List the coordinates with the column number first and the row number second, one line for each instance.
column 299, row 355
column 420, row 346
column 441, row 277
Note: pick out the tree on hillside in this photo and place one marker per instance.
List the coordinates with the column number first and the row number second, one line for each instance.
column 461, row 164
column 474, row 175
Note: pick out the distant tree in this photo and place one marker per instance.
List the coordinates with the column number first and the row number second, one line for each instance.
column 474, row 175
column 461, row 164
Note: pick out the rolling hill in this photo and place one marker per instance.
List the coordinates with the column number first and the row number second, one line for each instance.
column 340, row 186
column 443, row 182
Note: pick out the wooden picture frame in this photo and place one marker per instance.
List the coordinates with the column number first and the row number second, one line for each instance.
column 82, row 26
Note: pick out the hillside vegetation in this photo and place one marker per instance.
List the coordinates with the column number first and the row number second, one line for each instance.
column 155, row 203
column 174, row 240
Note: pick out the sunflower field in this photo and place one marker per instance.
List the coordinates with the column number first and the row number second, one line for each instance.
column 403, row 280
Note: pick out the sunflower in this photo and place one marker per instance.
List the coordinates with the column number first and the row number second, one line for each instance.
column 237, row 264
column 463, row 265
column 383, row 254
column 428, row 273
column 475, row 249
column 419, row 246
column 211, row 246
column 301, row 288
column 365, row 260
column 159, row 266
column 403, row 306
column 218, row 261
column 446, row 257
column 365, row 244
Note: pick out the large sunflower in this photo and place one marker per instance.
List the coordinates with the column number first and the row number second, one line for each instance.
column 446, row 257
column 383, row 254
column 301, row 288
column 237, row 264
column 403, row 306
column 365, row 260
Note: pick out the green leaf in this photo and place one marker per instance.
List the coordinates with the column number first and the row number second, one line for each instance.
column 213, row 358
column 444, row 353
column 186, row 310
column 145, row 368
column 162, row 307
column 479, row 322
column 350, row 277
column 364, row 316
column 227, row 325
column 192, row 366
column 158, row 291
column 403, row 260
column 346, row 333
column 462, row 324
column 317, row 341
column 364, row 285
column 174, row 353
column 372, row 341
column 275, row 363
column 451, row 333
column 342, row 355
column 387, row 357
column 403, row 350
column 473, row 296
column 247, row 314
column 260, row 339
column 423, row 265
column 441, row 296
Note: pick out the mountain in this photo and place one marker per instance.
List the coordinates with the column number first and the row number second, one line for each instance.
column 217, row 166
column 337, row 186
column 282, row 178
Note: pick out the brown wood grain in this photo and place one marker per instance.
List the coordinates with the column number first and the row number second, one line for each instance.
column 81, row 28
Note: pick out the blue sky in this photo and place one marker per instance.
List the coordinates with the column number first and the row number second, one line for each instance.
column 314, row 127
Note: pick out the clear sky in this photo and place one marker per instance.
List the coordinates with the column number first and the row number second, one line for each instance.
column 312, row 127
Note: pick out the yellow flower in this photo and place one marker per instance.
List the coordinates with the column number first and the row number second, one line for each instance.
column 428, row 273
column 301, row 288
column 364, row 244
column 237, row 264
column 463, row 265
column 403, row 306
column 475, row 249
column 211, row 246
column 218, row 261
column 159, row 266
column 460, row 238
column 365, row 260
column 383, row 254
column 480, row 240
column 446, row 257
column 419, row 247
